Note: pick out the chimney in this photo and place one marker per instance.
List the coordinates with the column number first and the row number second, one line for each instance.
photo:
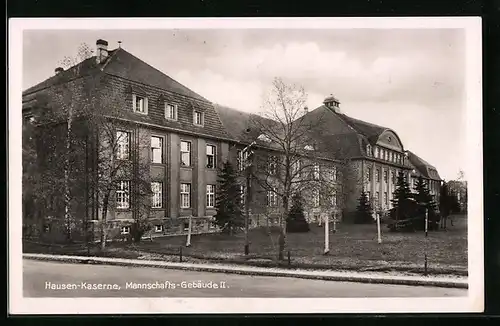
column 306, row 110
column 58, row 70
column 332, row 103
column 102, row 50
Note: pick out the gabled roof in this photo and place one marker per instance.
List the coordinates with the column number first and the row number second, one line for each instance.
column 122, row 64
column 369, row 130
column 427, row 170
column 83, row 68
column 240, row 125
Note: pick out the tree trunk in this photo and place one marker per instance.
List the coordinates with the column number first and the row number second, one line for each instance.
column 282, row 237
column 104, row 220
column 67, row 199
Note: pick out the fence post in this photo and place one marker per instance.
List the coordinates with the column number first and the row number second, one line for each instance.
column 180, row 254
column 425, row 265
column 289, row 261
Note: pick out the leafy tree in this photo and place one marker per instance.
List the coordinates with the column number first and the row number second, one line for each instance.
column 296, row 221
column 228, row 200
column 426, row 202
column 364, row 210
column 444, row 204
column 455, row 206
column 402, row 202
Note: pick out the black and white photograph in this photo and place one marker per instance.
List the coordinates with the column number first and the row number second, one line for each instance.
column 305, row 165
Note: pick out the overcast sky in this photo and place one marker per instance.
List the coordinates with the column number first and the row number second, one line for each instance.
column 411, row 81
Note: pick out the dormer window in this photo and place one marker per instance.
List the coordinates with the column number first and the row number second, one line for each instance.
column 170, row 111
column 369, row 150
column 198, row 118
column 264, row 138
column 140, row 104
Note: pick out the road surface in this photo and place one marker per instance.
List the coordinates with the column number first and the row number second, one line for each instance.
column 48, row 279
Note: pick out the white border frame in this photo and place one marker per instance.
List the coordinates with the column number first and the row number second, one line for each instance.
column 474, row 302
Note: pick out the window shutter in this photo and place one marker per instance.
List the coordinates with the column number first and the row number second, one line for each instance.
column 133, row 102
column 145, row 105
column 176, row 111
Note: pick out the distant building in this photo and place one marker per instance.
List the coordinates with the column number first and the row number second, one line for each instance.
column 459, row 188
column 428, row 172
column 373, row 155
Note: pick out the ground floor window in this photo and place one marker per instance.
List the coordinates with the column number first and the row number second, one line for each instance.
column 125, row 230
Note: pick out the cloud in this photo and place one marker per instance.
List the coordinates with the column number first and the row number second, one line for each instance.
column 242, row 95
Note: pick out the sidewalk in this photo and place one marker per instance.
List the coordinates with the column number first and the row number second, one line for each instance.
column 344, row 276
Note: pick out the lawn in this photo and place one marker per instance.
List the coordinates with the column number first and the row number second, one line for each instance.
column 351, row 245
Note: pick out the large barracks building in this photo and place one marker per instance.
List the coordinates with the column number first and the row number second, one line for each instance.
column 184, row 139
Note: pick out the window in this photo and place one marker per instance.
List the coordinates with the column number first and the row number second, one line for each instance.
column 159, row 228
column 309, row 148
column 241, row 160
column 392, row 157
column 386, row 176
column 170, row 111
column 185, row 153
column 122, row 145
column 210, row 196
column 368, row 174
column 368, row 195
column 295, row 168
column 316, row 172
column 242, row 194
column 140, row 104
column 211, row 151
column 156, row 150
column 185, row 195
column 125, row 230
column 386, row 201
column 376, row 198
column 272, row 165
column 376, row 152
column 157, row 190
column 122, row 195
column 198, row 118
column 393, row 177
column 186, row 226
column 334, row 199
column 377, row 175
column 315, row 195
column 272, row 198
column 369, row 150
column 333, row 174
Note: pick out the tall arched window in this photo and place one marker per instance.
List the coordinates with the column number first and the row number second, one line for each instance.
column 369, row 150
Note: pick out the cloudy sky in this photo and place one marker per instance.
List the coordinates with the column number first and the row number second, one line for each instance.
column 409, row 80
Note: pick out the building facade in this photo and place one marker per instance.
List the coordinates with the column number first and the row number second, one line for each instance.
column 420, row 168
column 175, row 140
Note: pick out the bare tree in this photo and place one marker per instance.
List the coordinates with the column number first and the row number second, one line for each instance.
column 292, row 160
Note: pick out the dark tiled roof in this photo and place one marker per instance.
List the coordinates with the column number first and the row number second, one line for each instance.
column 423, row 167
column 125, row 65
column 242, row 126
column 86, row 67
column 369, row 130
column 122, row 69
